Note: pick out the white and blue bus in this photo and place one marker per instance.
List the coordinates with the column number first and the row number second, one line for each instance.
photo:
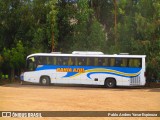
column 90, row 68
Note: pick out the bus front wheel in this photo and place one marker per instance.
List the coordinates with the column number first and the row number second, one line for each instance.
column 110, row 83
column 44, row 80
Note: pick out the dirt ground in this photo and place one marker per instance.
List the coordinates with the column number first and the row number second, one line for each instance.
column 16, row 97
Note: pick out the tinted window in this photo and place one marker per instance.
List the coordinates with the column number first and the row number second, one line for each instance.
column 112, row 61
column 41, row 60
column 90, row 61
column 81, row 61
column 59, row 61
column 71, row 61
column 65, row 60
column 121, row 62
column 51, row 60
column 135, row 62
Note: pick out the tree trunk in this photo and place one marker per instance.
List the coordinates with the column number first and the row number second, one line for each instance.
column 12, row 74
column 115, row 20
column 52, row 42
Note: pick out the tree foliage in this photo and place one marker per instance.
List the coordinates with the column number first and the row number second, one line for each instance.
column 14, row 58
column 88, row 32
column 29, row 26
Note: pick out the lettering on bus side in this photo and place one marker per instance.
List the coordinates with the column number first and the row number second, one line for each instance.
column 80, row 70
column 64, row 69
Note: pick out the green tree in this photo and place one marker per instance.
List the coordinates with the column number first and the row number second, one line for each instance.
column 14, row 59
column 1, row 62
column 38, row 31
column 66, row 19
column 52, row 25
column 88, row 33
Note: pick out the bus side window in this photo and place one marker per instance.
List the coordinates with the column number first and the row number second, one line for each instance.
column 71, row 61
column 124, row 62
column 54, row 60
column 90, row 61
column 76, row 61
column 135, row 62
column 84, row 61
column 100, row 61
column 118, row 62
column 112, row 62
column 39, row 61
column 121, row 62
column 51, row 60
column 65, row 60
column 105, row 62
column 59, row 61
column 42, row 60
column 48, row 60
column 96, row 61
column 81, row 61
column 138, row 62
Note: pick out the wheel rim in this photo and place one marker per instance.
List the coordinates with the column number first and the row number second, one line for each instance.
column 44, row 81
column 110, row 84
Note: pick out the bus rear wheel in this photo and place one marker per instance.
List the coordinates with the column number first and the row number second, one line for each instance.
column 45, row 80
column 110, row 83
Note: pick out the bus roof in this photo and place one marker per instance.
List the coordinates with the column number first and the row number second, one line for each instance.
column 87, row 55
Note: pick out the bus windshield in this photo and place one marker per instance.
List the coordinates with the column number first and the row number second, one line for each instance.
column 31, row 64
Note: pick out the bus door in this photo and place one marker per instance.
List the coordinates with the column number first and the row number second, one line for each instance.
column 30, row 75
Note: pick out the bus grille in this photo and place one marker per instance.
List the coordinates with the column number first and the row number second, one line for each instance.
column 135, row 80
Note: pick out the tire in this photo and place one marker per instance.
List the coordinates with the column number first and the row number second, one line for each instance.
column 110, row 83
column 45, row 80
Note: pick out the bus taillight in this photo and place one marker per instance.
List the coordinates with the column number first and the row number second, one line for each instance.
column 145, row 74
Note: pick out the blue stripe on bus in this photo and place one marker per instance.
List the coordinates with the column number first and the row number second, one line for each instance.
column 119, row 71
